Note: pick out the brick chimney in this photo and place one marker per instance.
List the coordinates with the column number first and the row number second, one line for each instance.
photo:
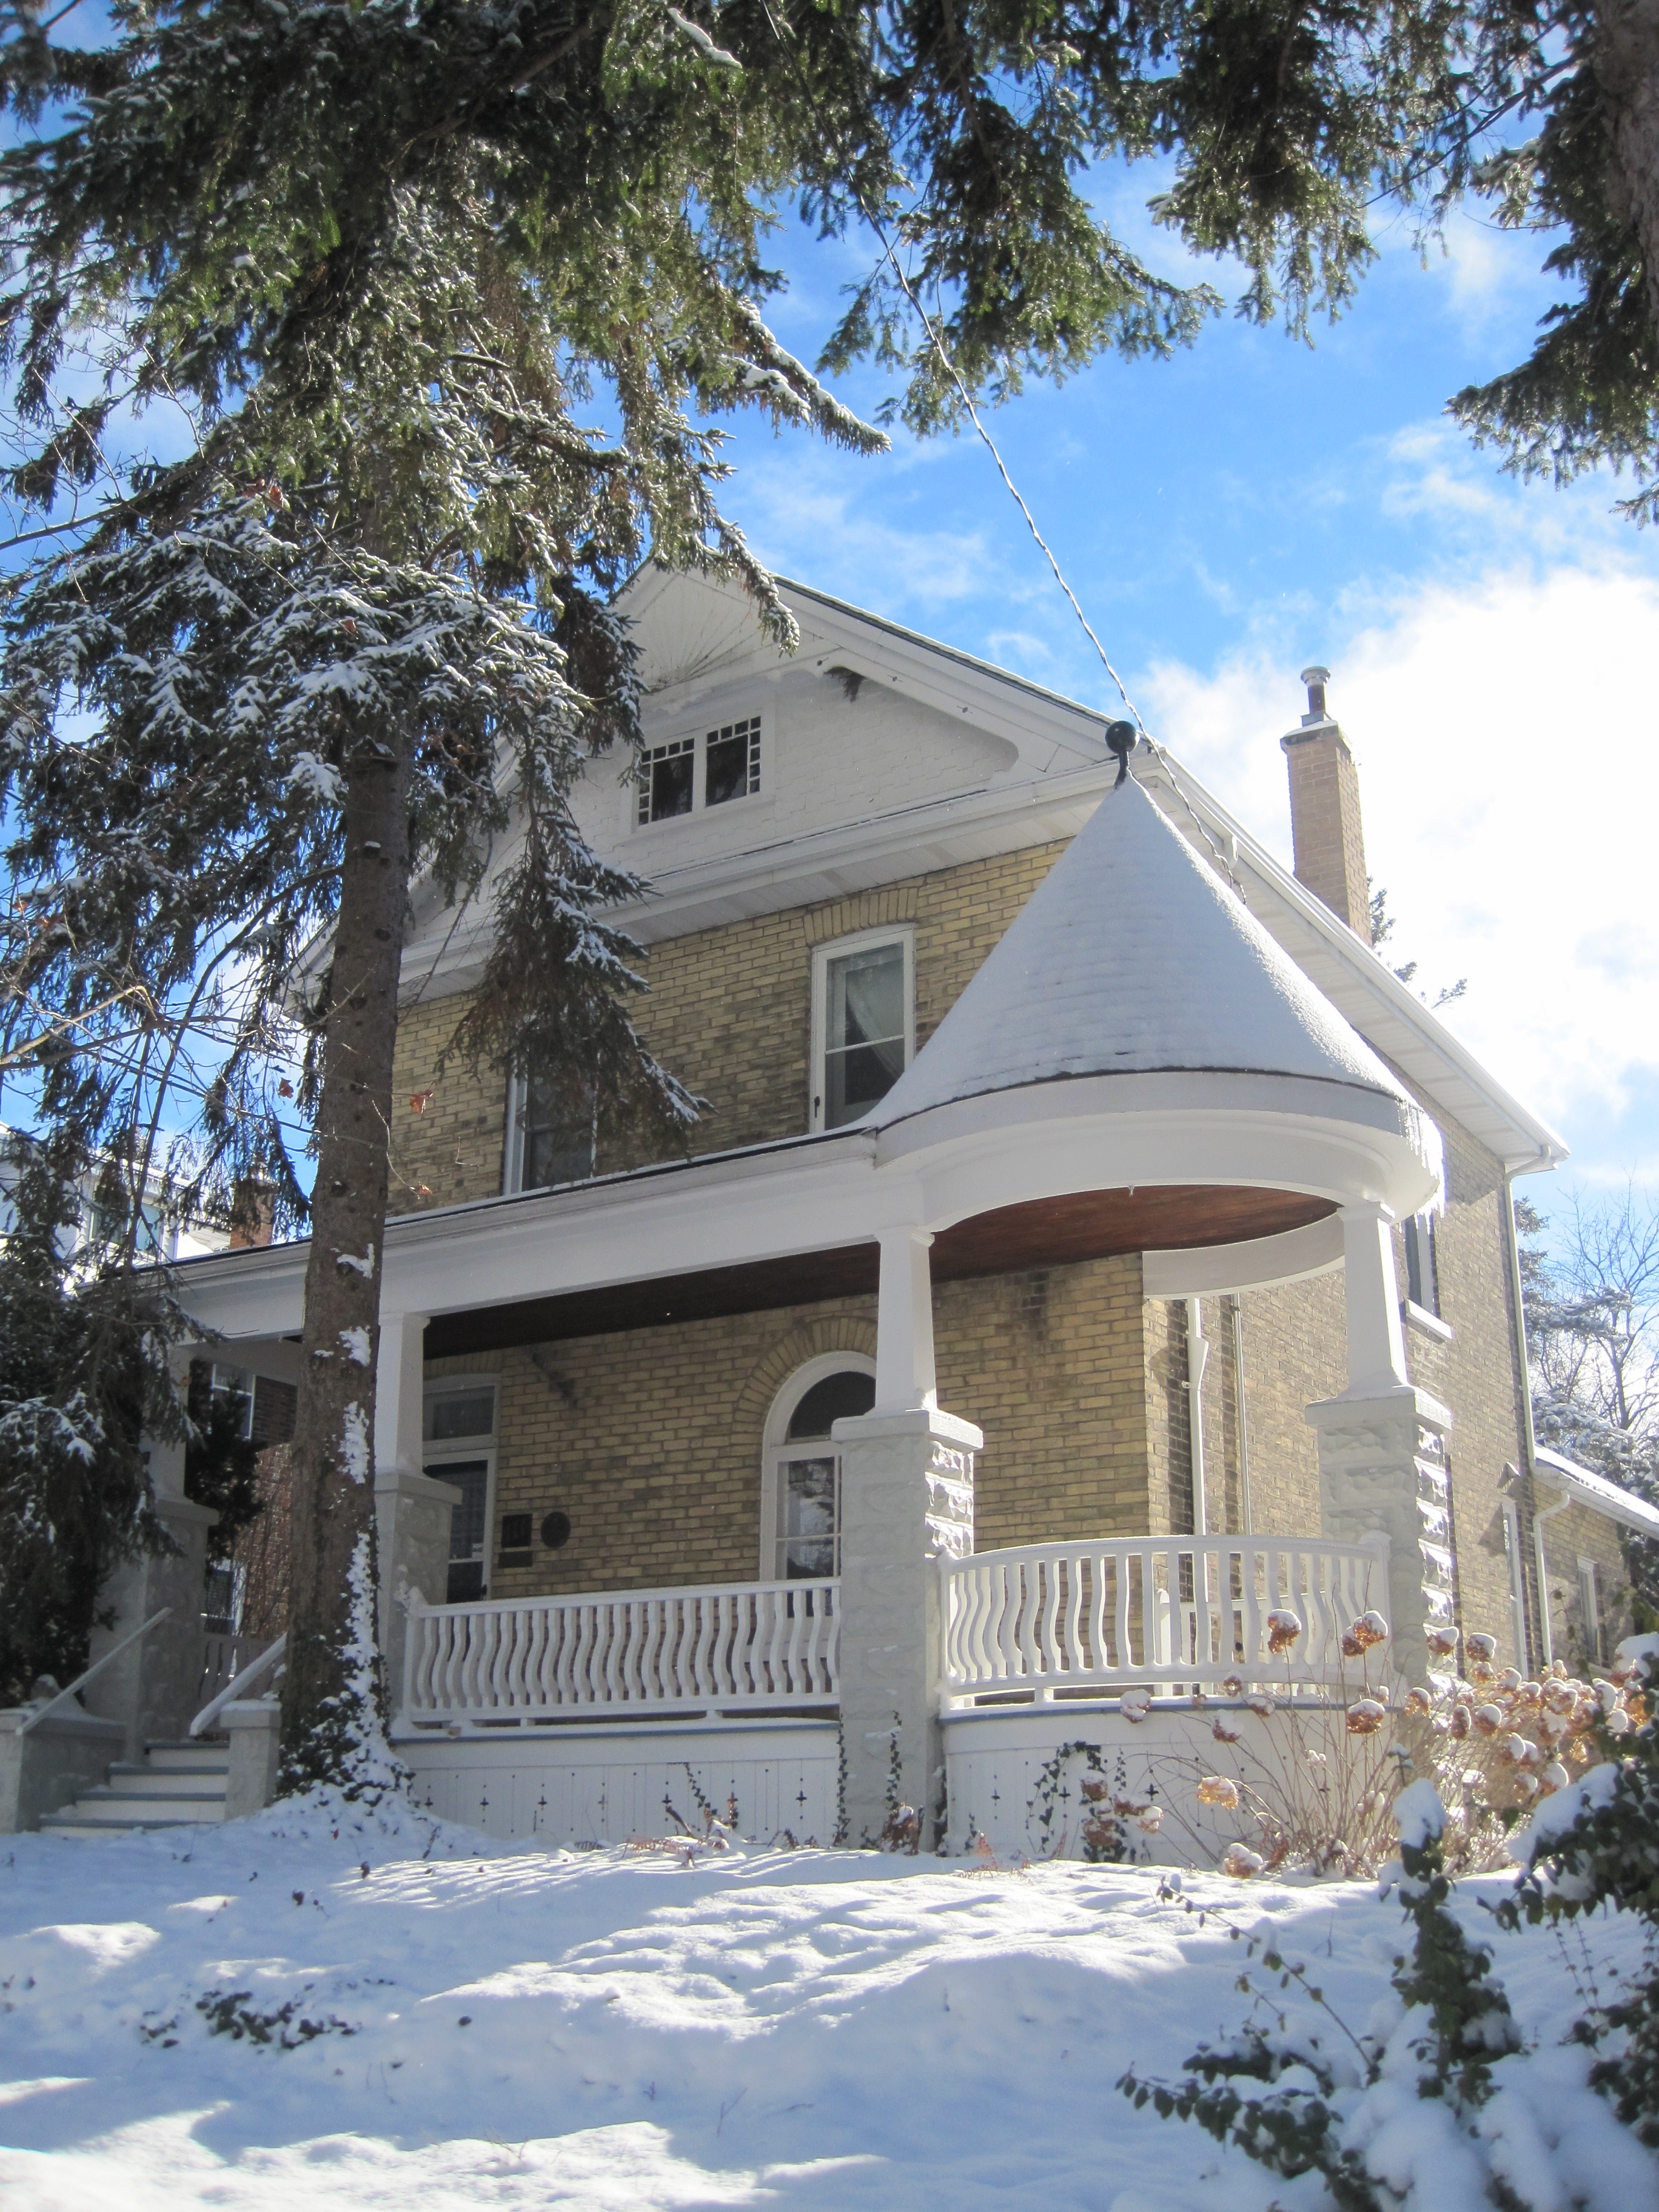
column 253, row 1214
column 1325, row 828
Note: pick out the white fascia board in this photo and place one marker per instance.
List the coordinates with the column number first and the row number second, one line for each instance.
column 773, row 1202
column 1360, row 986
column 1583, row 1487
column 809, row 869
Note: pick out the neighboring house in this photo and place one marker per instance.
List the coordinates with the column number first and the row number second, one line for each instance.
column 1090, row 1244
column 161, row 1234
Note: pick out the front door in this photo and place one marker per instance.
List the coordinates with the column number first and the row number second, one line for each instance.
column 468, row 1527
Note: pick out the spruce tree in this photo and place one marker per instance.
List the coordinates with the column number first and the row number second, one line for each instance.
column 428, row 309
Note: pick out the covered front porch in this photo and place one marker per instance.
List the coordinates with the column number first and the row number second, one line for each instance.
column 1138, row 1080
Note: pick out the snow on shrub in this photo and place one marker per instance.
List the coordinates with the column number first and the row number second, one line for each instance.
column 1596, row 1843
column 1316, row 1785
column 1391, row 2117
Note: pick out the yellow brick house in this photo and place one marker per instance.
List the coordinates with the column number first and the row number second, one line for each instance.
column 1090, row 1244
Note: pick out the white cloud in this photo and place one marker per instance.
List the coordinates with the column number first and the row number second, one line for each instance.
column 1504, row 725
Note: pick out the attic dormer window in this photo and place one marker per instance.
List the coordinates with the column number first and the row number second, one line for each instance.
column 666, row 780
column 731, row 761
column 687, row 775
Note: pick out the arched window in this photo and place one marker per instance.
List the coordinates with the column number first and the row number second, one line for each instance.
column 800, row 1483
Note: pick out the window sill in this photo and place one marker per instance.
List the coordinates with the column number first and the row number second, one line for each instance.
column 1420, row 1317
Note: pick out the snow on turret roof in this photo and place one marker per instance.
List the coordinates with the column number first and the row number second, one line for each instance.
column 1131, row 957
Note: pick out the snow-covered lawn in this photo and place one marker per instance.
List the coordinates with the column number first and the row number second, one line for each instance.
column 806, row 2029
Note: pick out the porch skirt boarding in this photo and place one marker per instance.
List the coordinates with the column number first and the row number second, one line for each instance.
column 590, row 1786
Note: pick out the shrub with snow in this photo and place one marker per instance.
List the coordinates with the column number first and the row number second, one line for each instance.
column 1597, row 1844
column 1375, row 2115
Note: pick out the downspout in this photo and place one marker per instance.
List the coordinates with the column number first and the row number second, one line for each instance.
column 1198, row 1354
column 1247, row 1526
column 1528, row 1438
column 1538, row 1520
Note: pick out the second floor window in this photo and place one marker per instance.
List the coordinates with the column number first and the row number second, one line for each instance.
column 863, row 1024
column 550, row 1139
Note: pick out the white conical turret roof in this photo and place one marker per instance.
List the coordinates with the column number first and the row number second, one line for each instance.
column 1133, row 957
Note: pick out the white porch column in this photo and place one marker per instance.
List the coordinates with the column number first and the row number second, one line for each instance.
column 904, row 1324
column 1377, row 1344
column 907, row 1498
column 411, row 1511
column 1382, row 1448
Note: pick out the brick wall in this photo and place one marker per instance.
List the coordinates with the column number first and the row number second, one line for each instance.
column 1477, row 1375
column 651, row 1440
column 729, row 1011
column 1294, row 1354
column 451, row 1151
column 1049, row 1363
column 1566, row 1537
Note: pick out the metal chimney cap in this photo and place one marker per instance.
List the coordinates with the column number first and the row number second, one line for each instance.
column 1315, row 678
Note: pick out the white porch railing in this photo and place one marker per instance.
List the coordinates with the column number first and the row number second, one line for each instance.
column 1053, row 1621
column 739, row 1647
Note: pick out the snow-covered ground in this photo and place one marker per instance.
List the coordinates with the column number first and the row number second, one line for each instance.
column 808, row 2030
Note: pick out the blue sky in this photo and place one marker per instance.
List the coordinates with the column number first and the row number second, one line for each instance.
column 1254, row 504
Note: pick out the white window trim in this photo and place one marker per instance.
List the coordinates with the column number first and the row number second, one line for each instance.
column 437, row 1452
column 234, row 1378
column 513, row 1156
column 513, row 1149
column 864, row 940
column 775, row 1446
column 700, row 733
column 1590, row 1605
column 1418, row 1316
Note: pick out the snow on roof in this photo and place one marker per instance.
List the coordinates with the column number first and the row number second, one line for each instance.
column 1133, row 957
column 1585, row 1487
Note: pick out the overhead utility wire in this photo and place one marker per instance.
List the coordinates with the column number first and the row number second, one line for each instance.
column 1159, row 752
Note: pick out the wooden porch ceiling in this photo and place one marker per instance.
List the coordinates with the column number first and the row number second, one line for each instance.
column 1052, row 1232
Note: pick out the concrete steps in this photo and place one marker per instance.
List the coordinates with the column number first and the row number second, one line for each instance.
column 176, row 1785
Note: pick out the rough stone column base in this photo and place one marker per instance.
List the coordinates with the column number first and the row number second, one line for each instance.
column 906, row 1499
column 411, row 1536
column 153, row 1689
column 1382, row 1469
column 49, row 1767
column 254, row 1726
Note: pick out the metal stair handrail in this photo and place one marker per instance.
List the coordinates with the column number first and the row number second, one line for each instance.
column 234, row 1688
column 96, row 1667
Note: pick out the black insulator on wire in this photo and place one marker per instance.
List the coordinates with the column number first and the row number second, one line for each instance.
column 1120, row 740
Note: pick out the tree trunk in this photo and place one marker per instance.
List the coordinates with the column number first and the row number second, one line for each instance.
column 328, row 1690
column 1627, row 71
